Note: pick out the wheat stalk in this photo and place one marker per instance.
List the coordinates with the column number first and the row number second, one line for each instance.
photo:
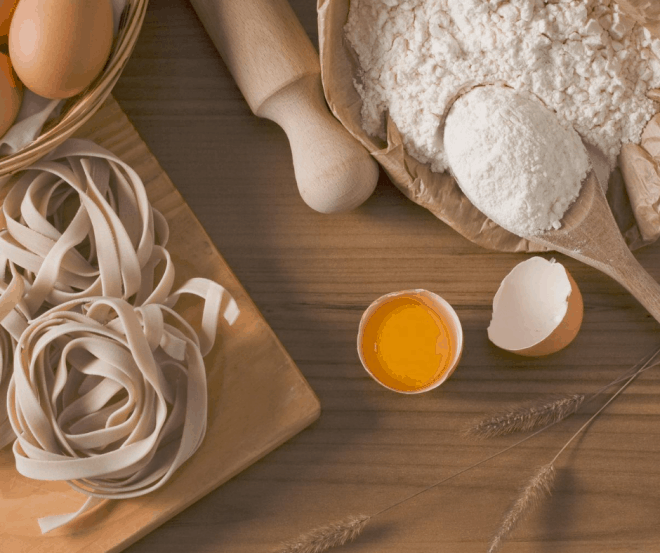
column 326, row 537
column 528, row 416
column 545, row 411
column 537, row 489
column 541, row 485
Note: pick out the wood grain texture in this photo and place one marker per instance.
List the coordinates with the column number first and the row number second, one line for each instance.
column 312, row 275
column 257, row 397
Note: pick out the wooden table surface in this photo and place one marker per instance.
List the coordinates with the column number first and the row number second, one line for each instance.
column 312, row 275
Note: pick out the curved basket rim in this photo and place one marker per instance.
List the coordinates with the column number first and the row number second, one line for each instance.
column 89, row 101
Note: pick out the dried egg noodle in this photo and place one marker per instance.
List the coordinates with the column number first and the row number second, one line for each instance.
column 14, row 317
column 124, row 234
column 107, row 388
column 114, row 218
column 6, row 353
column 110, row 398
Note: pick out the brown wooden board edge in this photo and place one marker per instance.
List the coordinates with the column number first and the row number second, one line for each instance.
column 164, row 516
column 311, row 411
column 313, row 415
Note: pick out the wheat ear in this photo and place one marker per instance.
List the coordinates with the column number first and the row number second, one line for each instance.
column 528, row 416
column 537, row 489
column 324, row 538
column 540, row 486
column 546, row 411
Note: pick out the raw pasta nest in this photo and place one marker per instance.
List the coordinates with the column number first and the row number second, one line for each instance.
column 79, row 224
column 105, row 383
column 109, row 397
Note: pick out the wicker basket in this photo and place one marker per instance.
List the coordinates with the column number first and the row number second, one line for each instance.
column 77, row 110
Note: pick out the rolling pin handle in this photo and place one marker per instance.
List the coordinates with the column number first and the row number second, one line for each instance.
column 334, row 173
column 277, row 69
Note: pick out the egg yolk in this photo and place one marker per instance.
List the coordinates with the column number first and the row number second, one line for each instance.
column 406, row 345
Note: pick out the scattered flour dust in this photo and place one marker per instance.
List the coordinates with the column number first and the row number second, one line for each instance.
column 513, row 159
column 583, row 59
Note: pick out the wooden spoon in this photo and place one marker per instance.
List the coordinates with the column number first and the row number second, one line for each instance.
column 590, row 234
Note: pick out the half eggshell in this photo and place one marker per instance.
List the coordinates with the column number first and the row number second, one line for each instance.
column 537, row 310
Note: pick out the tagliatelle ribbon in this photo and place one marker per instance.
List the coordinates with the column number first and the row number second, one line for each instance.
column 109, row 397
column 78, row 224
column 83, row 197
column 14, row 317
column 105, row 383
column 6, row 352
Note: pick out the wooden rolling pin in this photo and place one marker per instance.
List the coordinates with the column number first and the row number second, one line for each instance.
column 277, row 69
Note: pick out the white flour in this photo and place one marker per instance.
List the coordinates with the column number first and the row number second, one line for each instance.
column 583, row 59
column 521, row 178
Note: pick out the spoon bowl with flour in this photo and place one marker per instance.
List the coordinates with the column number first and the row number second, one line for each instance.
column 518, row 165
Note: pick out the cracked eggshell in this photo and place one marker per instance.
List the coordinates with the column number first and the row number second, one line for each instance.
column 537, row 310
column 434, row 302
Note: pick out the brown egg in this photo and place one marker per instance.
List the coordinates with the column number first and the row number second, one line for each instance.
column 7, row 8
column 58, row 47
column 11, row 94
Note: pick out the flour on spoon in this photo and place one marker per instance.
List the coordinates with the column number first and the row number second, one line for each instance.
column 513, row 158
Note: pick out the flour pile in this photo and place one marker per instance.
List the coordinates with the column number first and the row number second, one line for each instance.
column 583, row 59
column 513, row 159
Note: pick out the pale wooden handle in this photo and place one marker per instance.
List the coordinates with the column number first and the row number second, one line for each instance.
column 619, row 264
column 632, row 276
column 262, row 42
column 590, row 234
column 334, row 173
column 277, row 69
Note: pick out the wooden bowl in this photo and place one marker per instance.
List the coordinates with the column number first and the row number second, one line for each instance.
column 77, row 110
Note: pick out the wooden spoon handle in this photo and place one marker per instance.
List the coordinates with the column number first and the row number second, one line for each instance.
column 590, row 234
column 632, row 276
column 611, row 255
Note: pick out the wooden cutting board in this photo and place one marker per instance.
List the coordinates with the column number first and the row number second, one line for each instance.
column 258, row 399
